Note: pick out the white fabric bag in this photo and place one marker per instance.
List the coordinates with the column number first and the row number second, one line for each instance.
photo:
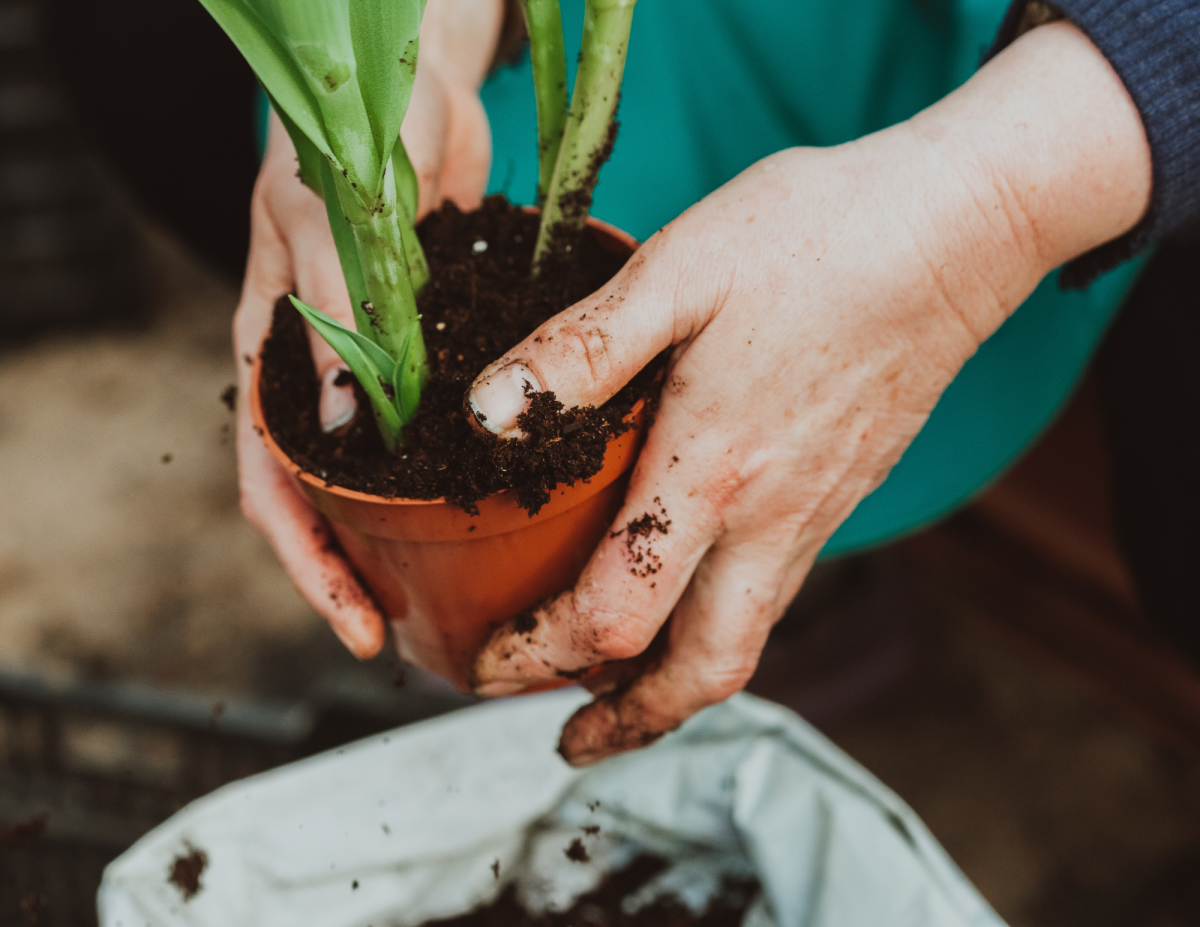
column 416, row 824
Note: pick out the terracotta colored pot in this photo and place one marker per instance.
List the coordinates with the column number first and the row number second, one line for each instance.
column 446, row 578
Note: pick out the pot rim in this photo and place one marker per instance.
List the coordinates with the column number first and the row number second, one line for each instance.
column 621, row 239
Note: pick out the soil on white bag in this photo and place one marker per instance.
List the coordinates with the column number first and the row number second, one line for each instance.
column 186, row 870
column 602, row 906
column 479, row 303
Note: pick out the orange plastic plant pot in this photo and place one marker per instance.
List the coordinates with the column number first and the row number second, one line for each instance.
column 446, row 579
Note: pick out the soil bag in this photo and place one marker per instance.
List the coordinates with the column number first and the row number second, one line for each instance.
column 437, row 818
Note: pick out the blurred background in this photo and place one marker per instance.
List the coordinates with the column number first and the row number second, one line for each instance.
column 995, row 670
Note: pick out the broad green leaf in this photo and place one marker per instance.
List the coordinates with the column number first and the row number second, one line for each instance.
column 367, row 361
column 384, row 36
column 275, row 66
column 316, row 35
column 347, row 249
column 406, row 382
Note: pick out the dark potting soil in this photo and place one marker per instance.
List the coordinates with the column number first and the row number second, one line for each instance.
column 602, row 907
column 478, row 304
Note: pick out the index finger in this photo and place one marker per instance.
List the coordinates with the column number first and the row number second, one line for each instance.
column 632, row 581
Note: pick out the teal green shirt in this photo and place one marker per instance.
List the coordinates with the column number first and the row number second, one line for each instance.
column 711, row 86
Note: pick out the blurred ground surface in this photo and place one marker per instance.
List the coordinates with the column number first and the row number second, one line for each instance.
column 124, row 559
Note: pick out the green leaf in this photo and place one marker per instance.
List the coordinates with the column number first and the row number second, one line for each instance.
column 406, row 382
column 347, row 249
column 408, row 190
column 543, row 22
column 327, row 327
column 277, row 70
column 316, row 36
column 368, row 362
column 384, row 36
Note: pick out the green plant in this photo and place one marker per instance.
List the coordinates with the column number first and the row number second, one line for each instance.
column 340, row 74
column 574, row 143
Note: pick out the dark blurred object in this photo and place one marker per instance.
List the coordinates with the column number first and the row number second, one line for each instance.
column 66, row 245
column 845, row 639
column 169, row 104
column 106, row 762
column 1149, row 373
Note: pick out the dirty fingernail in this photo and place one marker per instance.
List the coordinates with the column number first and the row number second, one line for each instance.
column 499, row 689
column 583, row 759
column 499, row 398
column 337, row 406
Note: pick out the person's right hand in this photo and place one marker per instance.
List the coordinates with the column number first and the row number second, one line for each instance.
column 291, row 251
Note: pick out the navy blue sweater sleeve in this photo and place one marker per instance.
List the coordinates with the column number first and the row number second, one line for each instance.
column 1154, row 46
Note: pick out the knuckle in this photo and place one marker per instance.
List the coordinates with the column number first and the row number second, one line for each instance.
column 591, row 344
column 718, row 683
column 612, row 634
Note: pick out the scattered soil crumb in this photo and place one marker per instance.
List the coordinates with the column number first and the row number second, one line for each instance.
column 593, row 805
column 354, row 885
column 186, row 871
column 25, row 833
column 577, row 852
column 229, row 397
column 639, row 542
column 601, row 907
column 167, row 458
column 591, row 829
column 496, row 869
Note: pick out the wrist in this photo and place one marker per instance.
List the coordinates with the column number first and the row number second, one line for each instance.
column 1039, row 158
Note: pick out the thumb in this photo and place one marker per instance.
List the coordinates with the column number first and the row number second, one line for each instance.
column 584, row 354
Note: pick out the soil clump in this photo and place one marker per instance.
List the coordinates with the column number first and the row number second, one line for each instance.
column 602, row 906
column 479, row 303
column 186, row 871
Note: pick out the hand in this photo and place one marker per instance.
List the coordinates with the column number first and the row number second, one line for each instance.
column 817, row 307
column 291, row 250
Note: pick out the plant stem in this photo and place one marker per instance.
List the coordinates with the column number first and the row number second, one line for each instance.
column 390, row 313
column 588, row 136
column 403, row 175
column 543, row 19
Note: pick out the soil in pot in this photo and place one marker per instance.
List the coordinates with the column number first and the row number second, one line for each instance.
column 479, row 303
column 602, row 906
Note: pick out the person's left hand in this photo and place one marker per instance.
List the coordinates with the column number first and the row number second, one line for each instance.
column 291, row 251
column 818, row 305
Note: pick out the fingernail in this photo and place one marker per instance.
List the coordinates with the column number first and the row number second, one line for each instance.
column 499, row 689
column 584, row 759
column 337, row 406
column 499, row 398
